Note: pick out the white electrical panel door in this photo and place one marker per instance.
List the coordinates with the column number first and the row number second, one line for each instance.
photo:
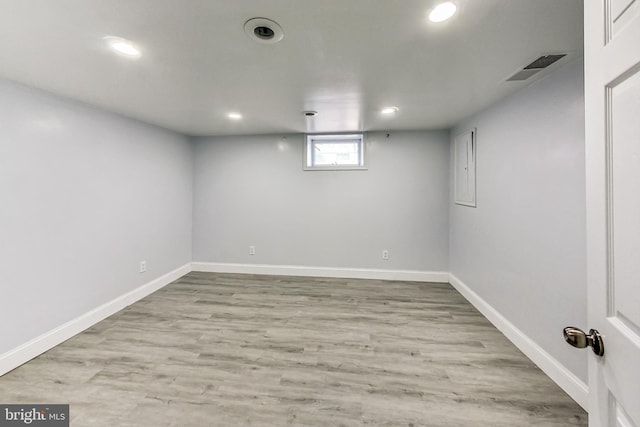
column 465, row 168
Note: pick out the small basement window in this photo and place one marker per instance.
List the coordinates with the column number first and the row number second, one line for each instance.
column 334, row 152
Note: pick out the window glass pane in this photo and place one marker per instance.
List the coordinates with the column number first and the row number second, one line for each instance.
column 329, row 153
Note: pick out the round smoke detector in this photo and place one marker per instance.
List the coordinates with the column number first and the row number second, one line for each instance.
column 263, row 30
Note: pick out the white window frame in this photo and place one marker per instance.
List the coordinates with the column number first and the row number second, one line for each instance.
column 307, row 160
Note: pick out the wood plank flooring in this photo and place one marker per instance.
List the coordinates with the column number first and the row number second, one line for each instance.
column 236, row 350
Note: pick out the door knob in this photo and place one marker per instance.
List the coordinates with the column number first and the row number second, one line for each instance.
column 577, row 338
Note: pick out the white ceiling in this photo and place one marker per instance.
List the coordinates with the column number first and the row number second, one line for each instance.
column 344, row 58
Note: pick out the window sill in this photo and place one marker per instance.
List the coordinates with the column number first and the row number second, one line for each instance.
column 335, row 168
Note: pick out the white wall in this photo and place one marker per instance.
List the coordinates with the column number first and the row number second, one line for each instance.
column 252, row 191
column 522, row 249
column 84, row 196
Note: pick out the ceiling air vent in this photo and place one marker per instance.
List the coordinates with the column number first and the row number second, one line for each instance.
column 536, row 66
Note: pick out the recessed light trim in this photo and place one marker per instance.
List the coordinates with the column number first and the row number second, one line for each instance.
column 123, row 46
column 442, row 12
column 389, row 110
column 263, row 30
column 234, row 116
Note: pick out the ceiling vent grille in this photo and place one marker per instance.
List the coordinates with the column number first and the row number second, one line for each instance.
column 535, row 67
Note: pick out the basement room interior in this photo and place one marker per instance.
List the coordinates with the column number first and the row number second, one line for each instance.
column 278, row 212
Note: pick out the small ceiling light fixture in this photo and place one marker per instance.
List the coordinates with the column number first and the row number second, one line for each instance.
column 263, row 30
column 389, row 110
column 234, row 116
column 310, row 113
column 123, row 46
column 442, row 12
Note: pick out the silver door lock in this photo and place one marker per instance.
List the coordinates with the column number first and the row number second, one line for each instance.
column 577, row 338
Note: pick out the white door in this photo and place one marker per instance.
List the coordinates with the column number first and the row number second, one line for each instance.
column 612, row 97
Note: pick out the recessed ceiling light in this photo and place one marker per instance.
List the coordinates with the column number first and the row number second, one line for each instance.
column 123, row 46
column 389, row 110
column 234, row 116
column 263, row 30
column 442, row 12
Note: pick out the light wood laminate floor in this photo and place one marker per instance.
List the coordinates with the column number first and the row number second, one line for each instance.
column 235, row 350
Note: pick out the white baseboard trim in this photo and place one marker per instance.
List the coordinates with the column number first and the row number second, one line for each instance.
column 345, row 273
column 570, row 383
column 35, row 347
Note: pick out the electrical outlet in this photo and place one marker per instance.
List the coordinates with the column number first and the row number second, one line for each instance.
column 252, row 250
column 143, row 266
column 385, row 254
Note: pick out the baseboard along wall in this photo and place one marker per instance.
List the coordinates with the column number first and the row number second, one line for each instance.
column 571, row 384
column 346, row 273
column 36, row 346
